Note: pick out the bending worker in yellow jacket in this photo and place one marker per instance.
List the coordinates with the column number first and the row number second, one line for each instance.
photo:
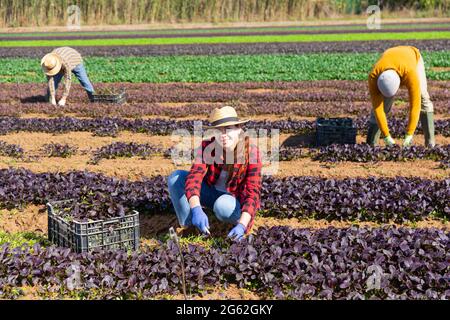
column 397, row 66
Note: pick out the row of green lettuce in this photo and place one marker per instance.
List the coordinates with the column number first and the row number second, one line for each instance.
column 226, row 68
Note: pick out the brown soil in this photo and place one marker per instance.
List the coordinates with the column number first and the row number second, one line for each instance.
column 85, row 141
column 33, row 141
column 135, row 168
column 30, row 219
column 34, row 219
column 269, row 222
column 125, row 168
column 232, row 292
column 306, row 167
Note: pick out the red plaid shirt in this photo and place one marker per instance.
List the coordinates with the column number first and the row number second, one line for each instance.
column 244, row 184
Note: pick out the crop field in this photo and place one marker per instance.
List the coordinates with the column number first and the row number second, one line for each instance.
column 327, row 215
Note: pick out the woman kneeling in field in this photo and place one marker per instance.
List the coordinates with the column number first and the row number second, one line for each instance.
column 225, row 177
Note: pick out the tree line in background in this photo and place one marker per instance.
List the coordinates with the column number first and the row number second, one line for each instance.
column 21, row 13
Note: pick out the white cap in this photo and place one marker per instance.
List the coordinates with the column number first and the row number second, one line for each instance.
column 388, row 83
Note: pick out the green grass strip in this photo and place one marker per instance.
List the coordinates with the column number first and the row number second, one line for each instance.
column 232, row 39
column 225, row 68
column 223, row 30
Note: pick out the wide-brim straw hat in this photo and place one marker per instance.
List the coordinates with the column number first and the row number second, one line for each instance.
column 51, row 64
column 223, row 117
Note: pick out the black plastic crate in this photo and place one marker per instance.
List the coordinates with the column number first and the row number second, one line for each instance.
column 115, row 233
column 335, row 130
column 118, row 98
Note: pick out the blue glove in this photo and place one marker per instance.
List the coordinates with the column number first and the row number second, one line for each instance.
column 200, row 219
column 237, row 233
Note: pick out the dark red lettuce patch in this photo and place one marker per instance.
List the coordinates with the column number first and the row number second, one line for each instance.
column 279, row 262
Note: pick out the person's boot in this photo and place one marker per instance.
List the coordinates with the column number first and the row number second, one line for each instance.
column 373, row 134
column 427, row 122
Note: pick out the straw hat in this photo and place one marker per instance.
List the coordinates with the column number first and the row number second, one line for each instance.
column 51, row 64
column 225, row 116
